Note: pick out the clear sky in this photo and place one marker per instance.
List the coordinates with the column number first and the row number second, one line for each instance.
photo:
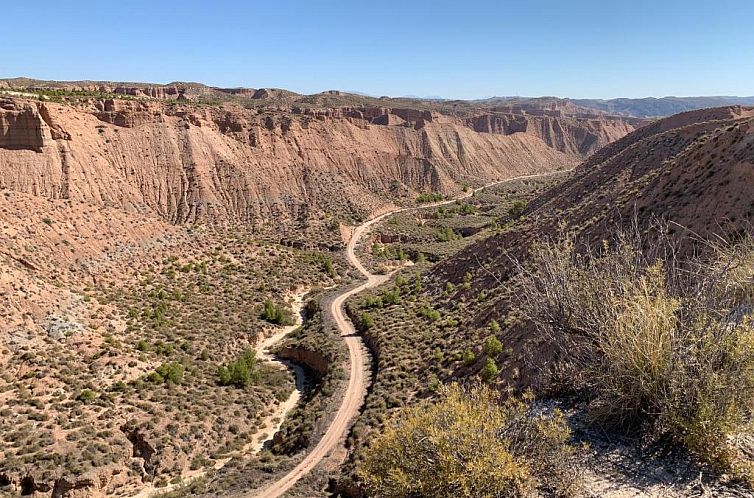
column 453, row 49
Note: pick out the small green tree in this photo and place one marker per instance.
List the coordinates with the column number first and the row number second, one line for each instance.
column 328, row 268
column 241, row 372
column 468, row 358
column 276, row 314
column 366, row 321
column 517, row 209
column 489, row 371
column 169, row 373
column 492, row 346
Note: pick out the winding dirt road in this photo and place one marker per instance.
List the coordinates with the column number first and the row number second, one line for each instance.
column 358, row 355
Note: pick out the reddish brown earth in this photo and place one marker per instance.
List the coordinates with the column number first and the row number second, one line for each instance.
column 101, row 184
column 693, row 170
column 271, row 153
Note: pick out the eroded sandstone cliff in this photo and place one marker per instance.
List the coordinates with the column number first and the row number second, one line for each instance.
column 187, row 162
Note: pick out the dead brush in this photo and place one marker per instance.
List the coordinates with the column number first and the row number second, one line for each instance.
column 657, row 342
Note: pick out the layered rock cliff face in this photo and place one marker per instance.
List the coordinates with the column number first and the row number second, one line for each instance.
column 572, row 135
column 21, row 127
column 188, row 163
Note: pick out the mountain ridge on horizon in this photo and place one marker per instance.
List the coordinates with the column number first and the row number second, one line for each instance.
column 644, row 107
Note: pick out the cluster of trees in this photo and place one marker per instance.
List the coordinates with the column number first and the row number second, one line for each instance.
column 240, row 372
column 276, row 313
column 168, row 373
column 429, row 197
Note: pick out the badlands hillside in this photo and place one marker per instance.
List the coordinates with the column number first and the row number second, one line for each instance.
column 158, row 241
column 498, row 309
column 154, row 235
column 188, row 153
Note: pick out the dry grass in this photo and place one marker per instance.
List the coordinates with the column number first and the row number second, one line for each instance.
column 658, row 343
column 469, row 444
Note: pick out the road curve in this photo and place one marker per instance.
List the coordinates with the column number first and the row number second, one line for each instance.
column 358, row 355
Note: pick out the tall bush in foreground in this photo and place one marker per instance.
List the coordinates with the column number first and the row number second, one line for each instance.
column 469, row 444
column 658, row 343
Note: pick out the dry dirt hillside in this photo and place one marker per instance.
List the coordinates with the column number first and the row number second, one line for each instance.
column 433, row 325
column 693, row 169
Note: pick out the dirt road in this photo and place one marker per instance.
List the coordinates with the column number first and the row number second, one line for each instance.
column 358, row 356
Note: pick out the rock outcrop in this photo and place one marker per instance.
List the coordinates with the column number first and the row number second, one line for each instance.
column 21, row 127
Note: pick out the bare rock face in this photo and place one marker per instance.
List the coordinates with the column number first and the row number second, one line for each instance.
column 25, row 126
column 578, row 136
column 187, row 163
column 20, row 127
column 156, row 92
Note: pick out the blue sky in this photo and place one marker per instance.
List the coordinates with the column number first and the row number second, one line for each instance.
column 471, row 49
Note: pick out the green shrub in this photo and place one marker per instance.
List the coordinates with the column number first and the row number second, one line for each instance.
column 168, row 372
column 489, row 370
column 86, row 395
column 366, row 321
column 447, row 234
column 328, row 268
column 468, row 445
column 241, row 372
column 391, row 296
column 517, row 209
column 429, row 313
column 468, row 358
column 373, row 302
column 467, row 209
column 492, row 346
column 276, row 314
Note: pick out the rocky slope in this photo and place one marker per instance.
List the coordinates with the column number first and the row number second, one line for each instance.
column 259, row 154
column 189, row 164
column 692, row 170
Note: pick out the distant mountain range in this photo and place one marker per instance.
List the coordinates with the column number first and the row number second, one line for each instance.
column 651, row 107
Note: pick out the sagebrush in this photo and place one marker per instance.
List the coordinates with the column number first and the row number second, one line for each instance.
column 658, row 342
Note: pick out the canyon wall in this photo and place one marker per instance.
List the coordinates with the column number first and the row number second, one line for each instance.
column 189, row 162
